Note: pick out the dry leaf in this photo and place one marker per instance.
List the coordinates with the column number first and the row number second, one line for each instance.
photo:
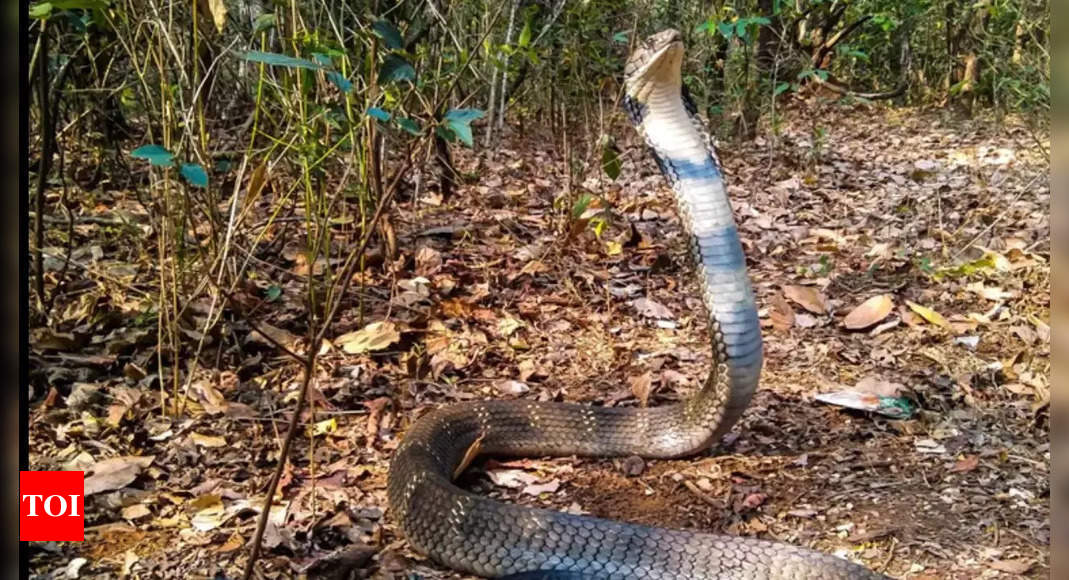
column 652, row 309
column 373, row 337
column 537, row 489
column 135, row 511
column 782, row 314
column 807, row 297
column 203, row 440
column 640, row 386
column 210, row 516
column 218, row 11
column 928, row 314
column 869, row 312
column 966, row 464
column 280, row 335
column 510, row 387
column 514, row 478
column 1018, row 566
column 115, row 473
column 878, row 386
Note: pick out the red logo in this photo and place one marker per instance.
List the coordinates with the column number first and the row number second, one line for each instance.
column 51, row 506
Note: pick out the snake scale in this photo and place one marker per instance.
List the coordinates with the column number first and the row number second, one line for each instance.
column 481, row 536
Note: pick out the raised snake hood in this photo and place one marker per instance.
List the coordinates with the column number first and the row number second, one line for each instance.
column 656, row 62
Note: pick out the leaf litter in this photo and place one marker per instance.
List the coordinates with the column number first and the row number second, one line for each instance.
column 900, row 210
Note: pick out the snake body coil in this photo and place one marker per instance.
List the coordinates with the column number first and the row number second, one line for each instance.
column 478, row 535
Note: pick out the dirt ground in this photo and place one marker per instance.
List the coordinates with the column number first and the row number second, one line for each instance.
column 491, row 297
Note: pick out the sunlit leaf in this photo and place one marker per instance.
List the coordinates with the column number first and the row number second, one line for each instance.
column 928, row 314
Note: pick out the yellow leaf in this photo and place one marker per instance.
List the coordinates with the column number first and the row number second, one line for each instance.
column 323, row 427
column 218, row 10
column 613, row 248
column 928, row 314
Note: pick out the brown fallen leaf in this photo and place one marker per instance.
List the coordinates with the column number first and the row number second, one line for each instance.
column 966, row 464
column 640, row 386
column 537, row 489
column 513, row 478
column 869, row 312
column 115, row 473
column 511, row 387
column 373, row 337
column 135, row 511
column 807, row 297
column 650, row 308
column 879, row 386
column 928, row 314
column 203, row 440
column 266, row 333
column 782, row 314
column 1016, row 566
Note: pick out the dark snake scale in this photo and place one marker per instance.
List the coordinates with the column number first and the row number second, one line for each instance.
column 477, row 535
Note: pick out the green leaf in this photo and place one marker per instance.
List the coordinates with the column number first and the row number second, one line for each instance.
column 705, row 26
column 409, row 125
column 322, row 60
column 760, row 21
column 620, row 37
column 194, row 174
column 339, row 80
column 463, row 132
column 740, row 27
column 610, row 161
column 525, row 35
column 445, row 133
column 263, row 22
column 459, row 122
column 781, row 88
column 581, row 204
column 727, row 29
column 155, row 154
column 396, row 69
column 463, row 115
column 385, row 30
column 378, row 114
column 275, row 59
column 41, row 10
column 273, row 292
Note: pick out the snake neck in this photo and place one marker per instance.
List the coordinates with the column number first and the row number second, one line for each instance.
column 679, row 144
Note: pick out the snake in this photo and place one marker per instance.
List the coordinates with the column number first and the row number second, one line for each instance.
column 479, row 535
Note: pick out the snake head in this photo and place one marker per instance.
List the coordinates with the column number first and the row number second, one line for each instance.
column 655, row 62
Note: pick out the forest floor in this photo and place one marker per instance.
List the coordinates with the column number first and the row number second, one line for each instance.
column 947, row 218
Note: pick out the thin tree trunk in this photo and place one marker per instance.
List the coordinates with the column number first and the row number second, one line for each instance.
column 45, row 164
column 505, row 66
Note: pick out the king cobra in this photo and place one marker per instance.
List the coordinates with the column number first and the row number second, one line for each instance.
column 478, row 535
